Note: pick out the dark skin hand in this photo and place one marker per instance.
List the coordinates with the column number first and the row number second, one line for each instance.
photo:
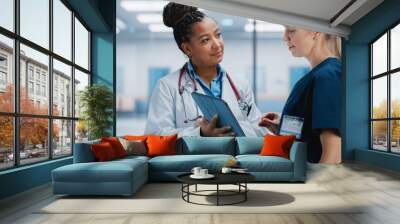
column 209, row 129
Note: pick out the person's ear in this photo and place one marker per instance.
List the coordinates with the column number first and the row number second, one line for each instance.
column 186, row 49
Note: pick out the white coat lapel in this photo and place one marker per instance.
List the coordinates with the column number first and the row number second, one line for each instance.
column 189, row 99
column 228, row 95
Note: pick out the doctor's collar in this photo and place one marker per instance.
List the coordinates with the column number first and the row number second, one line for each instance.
column 193, row 73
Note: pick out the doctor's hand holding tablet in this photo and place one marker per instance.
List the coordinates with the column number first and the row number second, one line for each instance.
column 211, row 129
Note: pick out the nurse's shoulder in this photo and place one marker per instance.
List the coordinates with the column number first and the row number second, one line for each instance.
column 330, row 68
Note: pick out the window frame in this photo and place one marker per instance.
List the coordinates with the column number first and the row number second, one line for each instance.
column 388, row 74
column 16, row 114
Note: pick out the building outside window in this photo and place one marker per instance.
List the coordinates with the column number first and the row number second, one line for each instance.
column 30, row 87
column 43, row 90
column 3, row 72
column 3, row 78
column 385, row 92
column 34, row 79
column 30, row 72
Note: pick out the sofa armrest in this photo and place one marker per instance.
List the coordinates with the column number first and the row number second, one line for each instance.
column 83, row 152
column 298, row 155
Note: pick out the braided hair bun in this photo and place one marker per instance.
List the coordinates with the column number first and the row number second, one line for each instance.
column 174, row 13
column 181, row 18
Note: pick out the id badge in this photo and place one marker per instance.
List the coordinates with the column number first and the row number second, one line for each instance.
column 291, row 125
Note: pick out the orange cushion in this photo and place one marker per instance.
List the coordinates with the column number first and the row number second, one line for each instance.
column 136, row 137
column 277, row 145
column 103, row 152
column 161, row 145
column 116, row 145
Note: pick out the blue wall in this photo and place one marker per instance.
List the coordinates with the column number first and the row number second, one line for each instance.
column 356, row 84
column 99, row 16
column 24, row 178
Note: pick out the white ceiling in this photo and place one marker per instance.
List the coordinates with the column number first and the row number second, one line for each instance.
column 133, row 29
column 317, row 15
column 320, row 8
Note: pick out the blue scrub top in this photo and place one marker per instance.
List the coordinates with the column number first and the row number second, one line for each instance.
column 316, row 99
column 216, row 83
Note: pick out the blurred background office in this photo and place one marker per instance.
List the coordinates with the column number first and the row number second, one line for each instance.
column 146, row 51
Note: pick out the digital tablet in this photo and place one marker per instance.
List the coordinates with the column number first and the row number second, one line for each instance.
column 211, row 106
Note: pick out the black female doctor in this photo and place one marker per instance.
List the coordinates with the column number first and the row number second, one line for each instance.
column 172, row 109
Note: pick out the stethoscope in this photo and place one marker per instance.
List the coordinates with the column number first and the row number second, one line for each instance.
column 242, row 105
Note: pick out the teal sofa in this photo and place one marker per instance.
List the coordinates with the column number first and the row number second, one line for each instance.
column 125, row 176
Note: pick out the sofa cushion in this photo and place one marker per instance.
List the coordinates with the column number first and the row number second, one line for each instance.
column 83, row 152
column 116, row 145
column 206, row 145
column 277, row 145
column 249, row 145
column 103, row 152
column 161, row 145
column 112, row 171
column 185, row 163
column 257, row 163
column 134, row 147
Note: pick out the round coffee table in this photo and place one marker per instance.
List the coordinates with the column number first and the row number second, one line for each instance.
column 238, row 179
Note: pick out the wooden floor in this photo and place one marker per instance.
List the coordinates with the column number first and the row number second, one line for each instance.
column 378, row 188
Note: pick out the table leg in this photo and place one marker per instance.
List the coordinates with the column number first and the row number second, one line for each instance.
column 245, row 193
column 217, row 194
column 196, row 188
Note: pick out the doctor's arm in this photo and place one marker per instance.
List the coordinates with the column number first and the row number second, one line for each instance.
column 161, row 118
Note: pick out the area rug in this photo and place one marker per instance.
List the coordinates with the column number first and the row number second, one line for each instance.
column 167, row 198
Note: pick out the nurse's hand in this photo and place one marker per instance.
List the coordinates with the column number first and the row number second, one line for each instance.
column 271, row 121
column 209, row 129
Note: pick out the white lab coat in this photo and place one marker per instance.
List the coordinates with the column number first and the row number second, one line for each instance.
column 166, row 115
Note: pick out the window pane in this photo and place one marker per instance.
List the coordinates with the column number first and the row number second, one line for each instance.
column 395, row 94
column 62, row 137
column 81, row 81
column 81, row 45
column 7, row 14
column 62, row 29
column 33, row 139
column 395, row 138
column 81, row 131
column 35, row 21
column 395, row 47
column 379, row 55
column 34, row 72
column 6, row 74
column 62, row 89
column 379, row 135
column 379, row 97
column 6, row 142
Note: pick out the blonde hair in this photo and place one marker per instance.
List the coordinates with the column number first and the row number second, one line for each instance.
column 334, row 44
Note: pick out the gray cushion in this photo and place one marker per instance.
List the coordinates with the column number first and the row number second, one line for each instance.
column 133, row 147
